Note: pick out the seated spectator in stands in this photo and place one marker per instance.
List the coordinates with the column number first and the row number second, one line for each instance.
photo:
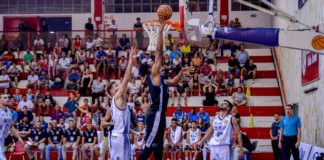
column 36, row 139
column 97, row 89
column 57, row 114
column 192, row 115
column 176, row 64
column 250, row 69
column 169, row 42
column 62, row 124
column 49, row 102
column 44, row 124
column 43, row 81
column 174, row 136
column 123, row 44
column 225, row 44
column 145, row 63
column 242, row 56
column 101, row 60
column 64, row 63
column 25, row 102
column 97, row 42
column 186, row 62
column 233, row 66
column 181, row 41
column 211, row 54
column 139, row 142
column 206, row 69
column 76, row 43
column 3, row 44
column 30, row 96
column 14, row 74
column 210, row 91
column 196, row 61
column 179, row 114
column 8, row 59
column 237, row 23
column 81, row 57
column 55, row 140
column 219, row 79
column 239, row 98
column 86, row 82
column 17, row 96
column 234, row 113
column 25, row 113
column 71, row 140
column 28, row 56
column 167, row 64
column 186, row 49
column 58, row 81
column 24, row 128
column 48, row 50
column 57, row 50
column 230, row 84
column 72, row 106
column 145, row 103
column 133, row 88
column 122, row 64
column 73, row 80
column 135, row 69
column 175, row 51
column 38, row 43
column 140, row 116
column 32, row 80
column 64, row 43
column 89, row 47
column 89, row 141
column 202, row 81
column 204, row 115
column 181, row 90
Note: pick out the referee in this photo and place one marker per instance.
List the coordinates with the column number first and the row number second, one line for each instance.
column 290, row 133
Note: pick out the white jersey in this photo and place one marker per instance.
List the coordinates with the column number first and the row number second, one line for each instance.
column 175, row 135
column 194, row 135
column 120, row 118
column 223, row 131
column 5, row 122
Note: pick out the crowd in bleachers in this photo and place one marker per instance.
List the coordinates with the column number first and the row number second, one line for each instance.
column 84, row 68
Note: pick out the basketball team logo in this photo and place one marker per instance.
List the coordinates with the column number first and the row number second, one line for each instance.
column 318, row 42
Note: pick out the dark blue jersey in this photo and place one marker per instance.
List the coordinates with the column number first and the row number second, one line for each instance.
column 159, row 95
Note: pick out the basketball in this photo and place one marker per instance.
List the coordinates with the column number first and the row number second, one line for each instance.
column 318, row 42
column 164, row 11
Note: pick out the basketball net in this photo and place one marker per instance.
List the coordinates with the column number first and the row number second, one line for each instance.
column 152, row 29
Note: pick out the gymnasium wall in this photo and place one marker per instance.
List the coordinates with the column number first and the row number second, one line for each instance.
column 311, row 108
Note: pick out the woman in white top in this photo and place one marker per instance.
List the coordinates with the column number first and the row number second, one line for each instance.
column 89, row 46
column 239, row 97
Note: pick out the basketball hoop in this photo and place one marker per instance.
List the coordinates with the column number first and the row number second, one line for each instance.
column 152, row 29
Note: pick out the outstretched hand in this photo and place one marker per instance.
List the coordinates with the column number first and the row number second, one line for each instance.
column 186, row 70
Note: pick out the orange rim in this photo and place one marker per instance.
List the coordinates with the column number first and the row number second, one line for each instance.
column 175, row 25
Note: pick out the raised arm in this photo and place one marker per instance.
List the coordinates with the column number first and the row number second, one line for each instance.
column 119, row 96
column 177, row 78
column 155, row 73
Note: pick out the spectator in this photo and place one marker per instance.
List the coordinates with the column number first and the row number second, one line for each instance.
column 17, row 44
column 145, row 104
column 179, row 114
column 169, row 42
column 289, row 134
column 17, row 96
column 64, row 43
column 28, row 56
column 206, row 69
column 237, row 23
column 89, row 28
column 73, row 80
column 49, row 101
column 14, row 74
column 101, row 60
column 81, row 57
column 25, row 113
column 181, row 40
column 274, row 135
column 36, row 139
column 230, row 84
column 32, row 80
column 89, row 47
column 211, row 54
column 63, row 125
column 140, row 116
column 43, row 81
column 44, row 30
column 239, row 98
column 176, row 64
column 205, row 117
column 97, row 89
column 134, row 88
column 3, row 44
column 167, row 64
column 25, row 102
column 86, row 82
column 250, row 69
column 225, row 44
column 219, row 79
column 64, row 63
column 113, row 27
column 242, row 56
column 71, row 140
column 55, row 140
column 233, row 66
column 123, row 44
column 186, row 49
column 181, row 90
column 40, row 100
column 24, row 128
column 174, row 53
column 138, row 27
column 39, row 43
column 30, row 96
column 44, row 125
column 57, row 114
column 196, row 61
column 57, row 50
column 8, row 59
column 97, row 42
column 210, row 94
column 58, row 81
column 201, row 126
column 72, row 106
column 48, row 50
column 192, row 116
column 76, row 44
column 89, row 141
column 122, row 64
